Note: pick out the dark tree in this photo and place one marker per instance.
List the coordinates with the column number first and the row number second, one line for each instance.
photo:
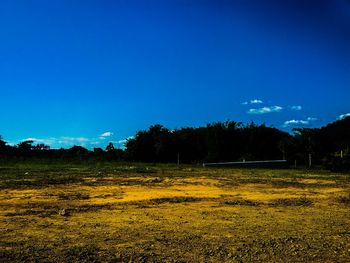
column 110, row 147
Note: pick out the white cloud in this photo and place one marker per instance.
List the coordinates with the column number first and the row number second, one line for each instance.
column 294, row 122
column 343, row 116
column 299, row 122
column 106, row 134
column 254, row 101
column 264, row 110
column 296, row 107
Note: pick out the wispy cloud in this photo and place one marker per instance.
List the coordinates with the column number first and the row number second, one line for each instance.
column 47, row 141
column 311, row 119
column 265, row 110
column 75, row 139
column 125, row 140
column 342, row 116
column 296, row 107
column 70, row 141
column 254, row 101
column 62, row 141
column 299, row 122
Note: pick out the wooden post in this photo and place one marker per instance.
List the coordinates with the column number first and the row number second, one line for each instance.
column 178, row 159
column 295, row 164
column 341, row 154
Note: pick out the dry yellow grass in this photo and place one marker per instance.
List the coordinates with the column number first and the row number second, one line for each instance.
column 183, row 215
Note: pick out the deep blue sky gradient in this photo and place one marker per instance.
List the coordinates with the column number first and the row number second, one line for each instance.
column 71, row 70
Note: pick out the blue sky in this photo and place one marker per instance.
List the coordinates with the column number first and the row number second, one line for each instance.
column 88, row 72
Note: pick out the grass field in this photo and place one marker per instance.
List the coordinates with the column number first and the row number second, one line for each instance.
column 139, row 213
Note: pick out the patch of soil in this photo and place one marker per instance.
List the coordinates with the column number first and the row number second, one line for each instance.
column 242, row 202
column 48, row 211
column 73, row 196
column 345, row 200
column 291, row 202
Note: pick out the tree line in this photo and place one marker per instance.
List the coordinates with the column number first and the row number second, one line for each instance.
column 327, row 146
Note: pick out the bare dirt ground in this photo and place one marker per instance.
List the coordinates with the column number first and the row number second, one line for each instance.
column 164, row 214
